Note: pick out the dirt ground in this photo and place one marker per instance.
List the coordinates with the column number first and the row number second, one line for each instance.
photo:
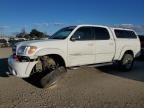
column 86, row 87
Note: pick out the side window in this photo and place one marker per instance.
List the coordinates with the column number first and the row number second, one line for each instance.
column 83, row 33
column 101, row 33
column 125, row 34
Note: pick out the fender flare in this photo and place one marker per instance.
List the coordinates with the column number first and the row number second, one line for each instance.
column 55, row 51
column 123, row 50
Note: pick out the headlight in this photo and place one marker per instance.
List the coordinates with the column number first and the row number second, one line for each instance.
column 31, row 50
column 26, row 50
column 21, row 50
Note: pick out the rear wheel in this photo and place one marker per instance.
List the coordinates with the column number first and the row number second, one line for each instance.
column 127, row 62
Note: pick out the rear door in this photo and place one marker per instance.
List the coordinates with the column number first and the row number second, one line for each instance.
column 81, row 47
column 104, row 45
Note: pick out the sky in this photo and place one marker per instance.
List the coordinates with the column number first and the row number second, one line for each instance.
column 50, row 15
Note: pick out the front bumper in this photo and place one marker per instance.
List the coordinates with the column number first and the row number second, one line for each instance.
column 20, row 69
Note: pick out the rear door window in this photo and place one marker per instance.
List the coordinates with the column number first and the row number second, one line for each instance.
column 101, row 33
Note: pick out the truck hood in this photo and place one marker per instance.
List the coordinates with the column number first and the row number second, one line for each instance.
column 40, row 43
column 43, row 44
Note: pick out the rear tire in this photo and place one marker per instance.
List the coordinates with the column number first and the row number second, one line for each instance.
column 127, row 62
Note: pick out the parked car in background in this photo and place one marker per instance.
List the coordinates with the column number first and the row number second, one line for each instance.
column 4, row 43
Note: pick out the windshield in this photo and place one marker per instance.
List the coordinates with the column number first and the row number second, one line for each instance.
column 63, row 33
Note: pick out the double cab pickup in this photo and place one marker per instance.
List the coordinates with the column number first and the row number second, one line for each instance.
column 75, row 46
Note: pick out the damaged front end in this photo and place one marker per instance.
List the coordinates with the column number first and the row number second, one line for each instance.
column 21, row 66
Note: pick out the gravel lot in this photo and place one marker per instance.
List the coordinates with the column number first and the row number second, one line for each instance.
column 86, row 87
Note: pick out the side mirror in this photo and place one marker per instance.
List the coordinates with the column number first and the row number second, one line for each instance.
column 75, row 38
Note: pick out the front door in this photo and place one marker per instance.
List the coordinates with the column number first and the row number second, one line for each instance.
column 81, row 47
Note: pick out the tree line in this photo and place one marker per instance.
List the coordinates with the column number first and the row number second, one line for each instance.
column 22, row 36
column 34, row 34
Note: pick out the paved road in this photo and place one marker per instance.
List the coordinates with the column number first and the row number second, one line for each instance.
column 85, row 87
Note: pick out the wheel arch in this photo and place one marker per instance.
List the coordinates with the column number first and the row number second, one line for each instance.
column 56, row 54
column 128, row 51
column 58, row 58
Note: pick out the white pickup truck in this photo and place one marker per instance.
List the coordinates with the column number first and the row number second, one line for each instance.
column 75, row 46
